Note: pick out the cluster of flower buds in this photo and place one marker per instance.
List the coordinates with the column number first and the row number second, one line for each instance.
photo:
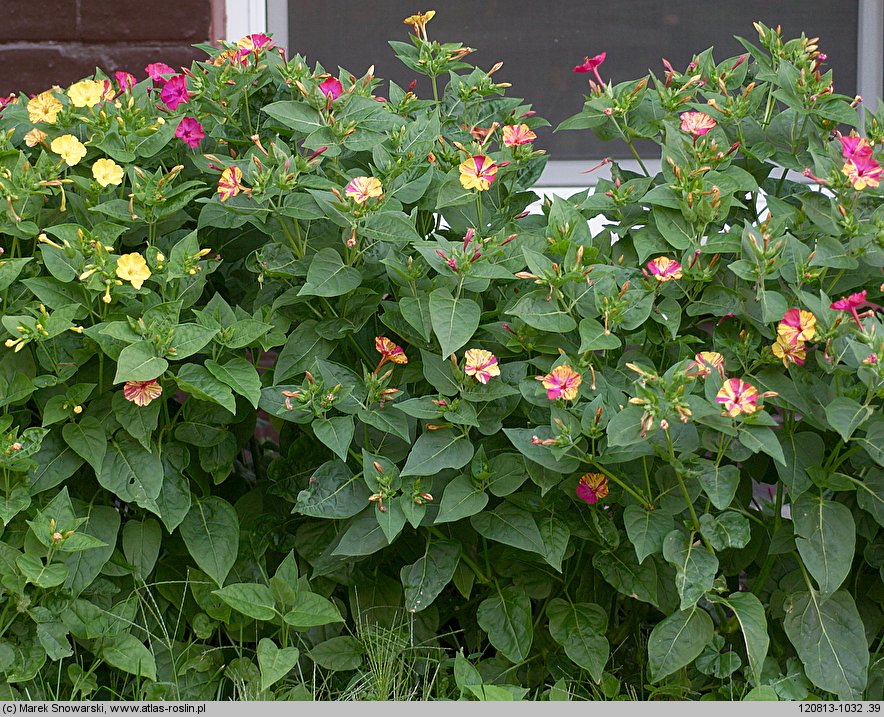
column 313, row 396
column 57, row 535
column 386, row 486
column 660, row 398
column 418, row 495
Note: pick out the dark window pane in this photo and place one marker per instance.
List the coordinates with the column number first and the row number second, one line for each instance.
column 539, row 43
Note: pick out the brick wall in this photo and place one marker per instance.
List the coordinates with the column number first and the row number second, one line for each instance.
column 46, row 42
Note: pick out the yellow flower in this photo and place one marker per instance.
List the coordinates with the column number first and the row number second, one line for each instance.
column 69, row 148
column 133, row 268
column 34, row 137
column 44, row 108
column 106, row 171
column 86, row 93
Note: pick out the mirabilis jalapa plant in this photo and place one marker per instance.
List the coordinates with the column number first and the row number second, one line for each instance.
column 548, row 448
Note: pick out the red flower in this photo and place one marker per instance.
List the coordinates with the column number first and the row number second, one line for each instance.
column 190, row 131
column 125, row 80
column 592, row 487
column 331, row 87
column 851, row 303
column 175, row 92
column 590, row 64
column 156, row 70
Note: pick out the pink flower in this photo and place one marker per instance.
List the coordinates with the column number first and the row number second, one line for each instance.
column 481, row 364
column 738, row 397
column 665, row 269
column 851, row 303
column 331, row 87
column 156, row 70
column 561, row 382
column 254, row 43
column 862, row 172
column 230, row 183
column 590, row 64
column 125, row 81
column 696, row 123
column 515, row 135
column 797, row 326
column 361, row 189
column 592, row 486
column 142, row 392
column 190, row 131
column 175, row 92
column 854, row 147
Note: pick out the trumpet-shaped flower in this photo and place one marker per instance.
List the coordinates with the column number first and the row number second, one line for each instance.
column 106, row 171
column 862, row 172
column 696, row 123
column 561, row 382
column 142, row 392
column 125, row 81
column 481, row 365
column 157, row 70
column 851, row 304
column 389, row 351
column 705, row 362
column 477, row 172
column 175, row 92
column 419, row 22
column 797, row 326
column 230, row 183
column 34, row 137
column 361, row 189
column 789, row 351
column 591, row 64
column 854, row 147
column 86, row 93
column 44, row 108
column 133, row 268
column 254, row 43
column 665, row 269
column 331, row 87
column 738, row 396
column 515, row 135
column 190, row 131
column 592, row 487
column 69, row 148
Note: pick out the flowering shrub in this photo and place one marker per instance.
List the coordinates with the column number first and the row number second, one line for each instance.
column 289, row 363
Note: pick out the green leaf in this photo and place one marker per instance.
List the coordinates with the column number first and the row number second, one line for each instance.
column 825, row 535
column 88, row 439
column 621, row 569
column 102, row 525
column 188, row 339
column 435, row 451
column 753, row 623
column 312, row 610
column 762, row 438
column 56, row 461
column 302, row 347
column 461, row 499
column 389, row 227
column 139, row 362
column 677, row 640
column 510, row 525
column 211, row 533
column 727, row 530
column 801, row 450
column 338, row 653
column 830, row 639
column 542, row 314
column 506, row 617
column 332, row 492
column 139, row 421
column 870, row 494
column 240, row 375
column 199, row 382
column 128, row 653
column 298, row 116
column 454, row 320
column 364, row 535
column 43, row 576
column 594, row 338
column 275, row 663
column 327, row 276
column 141, row 545
column 521, row 438
column 846, row 415
column 9, row 271
column 336, row 433
column 251, row 599
column 174, row 499
column 555, row 535
column 580, row 629
column 719, row 483
column 646, row 529
column 425, row 578
column 695, row 566
column 130, row 472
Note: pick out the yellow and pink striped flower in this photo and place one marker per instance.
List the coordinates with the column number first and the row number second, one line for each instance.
column 592, row 487
column 797, row 326
column 254, row 43
column 142, row 393
column 789, row 351
column 515, row 135
column 561, row 382
column 230, row 183
column 477, row 172
column 738, row 396
column 863, row 172
column 481, row 365
column 696, row 123
column 665, row 269
column 705, row 362
column 361, row 189
column 389, row 351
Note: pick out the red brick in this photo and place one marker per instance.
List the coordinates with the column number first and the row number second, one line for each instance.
column 157, row 20
column 38, row 21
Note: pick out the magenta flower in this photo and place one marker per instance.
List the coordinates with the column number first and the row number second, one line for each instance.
column 591, row 64
column 190, row 131
column 851, row 303
column 592, row 487
column 253, row 43
column 125, row 81
column 156, row 70
column 854, row 147
column 175, row 92
column 331, row 87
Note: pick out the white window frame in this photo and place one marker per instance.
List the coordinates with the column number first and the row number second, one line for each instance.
column 244, row 17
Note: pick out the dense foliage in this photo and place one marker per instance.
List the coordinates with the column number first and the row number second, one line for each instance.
column 300, row 400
